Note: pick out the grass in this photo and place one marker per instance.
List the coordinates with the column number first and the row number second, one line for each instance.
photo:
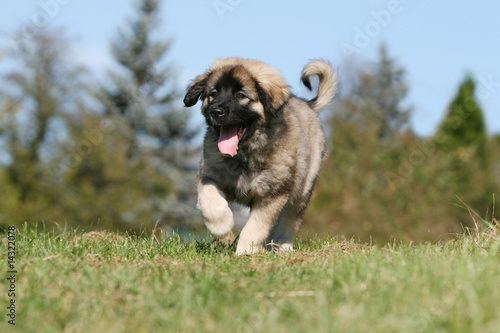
column 104, row 282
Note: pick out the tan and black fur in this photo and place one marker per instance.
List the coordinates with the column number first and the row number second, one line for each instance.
column 280, row 148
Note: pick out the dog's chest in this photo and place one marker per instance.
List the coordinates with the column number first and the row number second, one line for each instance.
column 253, row 185
column 241, row 181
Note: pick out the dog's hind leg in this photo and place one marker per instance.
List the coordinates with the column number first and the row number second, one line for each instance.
column 215, row 209
column 259, row 225
column 288, row 224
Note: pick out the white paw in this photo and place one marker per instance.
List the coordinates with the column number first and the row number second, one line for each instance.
column 246, row 249
column 277, row 247
column 285, row 247
column 215, row 209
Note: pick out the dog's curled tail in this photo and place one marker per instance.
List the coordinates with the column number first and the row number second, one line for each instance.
column 327, row 83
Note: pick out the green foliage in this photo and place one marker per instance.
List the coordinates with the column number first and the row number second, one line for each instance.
column 143, row 93
column 152, row 134
column 379, row 187
column 374, row 100
column 105, row 186
column 116, row 158
column 119, row 163
column 462, row 131
column 38, row 99
column 463, row 142
column 107, row 282
column 462, row 138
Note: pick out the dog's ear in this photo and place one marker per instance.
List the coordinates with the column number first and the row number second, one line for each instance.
column 195, row 90
column 273, row 98
column 273, row 92
column 265, row 99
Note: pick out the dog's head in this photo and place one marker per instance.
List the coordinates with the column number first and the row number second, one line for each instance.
column 238, row 95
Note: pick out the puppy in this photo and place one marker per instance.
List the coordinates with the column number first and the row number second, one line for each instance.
column 263, row 148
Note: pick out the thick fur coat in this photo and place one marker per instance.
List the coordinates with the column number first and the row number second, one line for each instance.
column 263, row 149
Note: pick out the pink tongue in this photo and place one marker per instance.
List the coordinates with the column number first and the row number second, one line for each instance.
column 228, row 140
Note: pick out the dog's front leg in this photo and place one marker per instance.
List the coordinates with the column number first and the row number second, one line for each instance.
column 260, row 222
column 215, row 209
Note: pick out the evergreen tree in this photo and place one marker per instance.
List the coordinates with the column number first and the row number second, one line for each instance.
column 463, row 142
column 140, row 100
column 369, row 115
column 462, row 132
column 377, row 95
column 143, row 94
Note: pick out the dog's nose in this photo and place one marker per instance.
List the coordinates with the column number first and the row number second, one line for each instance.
column 217, row 113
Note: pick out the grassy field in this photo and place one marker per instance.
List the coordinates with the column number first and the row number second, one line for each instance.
column 104, row 282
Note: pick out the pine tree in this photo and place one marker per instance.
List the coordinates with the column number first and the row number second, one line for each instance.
column 143, row 94
column 370, row 110
column 378, row 94
column 462, row 132
column 462, row 140
column 141, row 102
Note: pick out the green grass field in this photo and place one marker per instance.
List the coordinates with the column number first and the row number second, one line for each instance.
column 104, row 282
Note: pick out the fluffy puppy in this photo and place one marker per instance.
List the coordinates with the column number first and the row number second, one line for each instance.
column 263, row 148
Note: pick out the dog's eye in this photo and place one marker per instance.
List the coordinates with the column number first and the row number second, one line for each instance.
column 240, row 95
column 213, row 93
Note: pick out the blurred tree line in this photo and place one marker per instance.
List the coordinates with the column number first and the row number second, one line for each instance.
column 381, row 181
column 111, row 155
column 120, row 155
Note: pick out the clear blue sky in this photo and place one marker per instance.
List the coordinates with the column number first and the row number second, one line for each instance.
column 436, row 42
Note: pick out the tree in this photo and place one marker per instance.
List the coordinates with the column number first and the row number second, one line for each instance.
column 103, row 187
column 140, row 99
column 367, row 124
column 370, row 116
column 381, row 182
column 376, row 94
column 38, row 99
column 463, row 142
column 143, row 95
column 62, row 160
column 462, row 132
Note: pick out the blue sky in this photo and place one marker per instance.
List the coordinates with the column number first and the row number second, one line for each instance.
column 436, row 42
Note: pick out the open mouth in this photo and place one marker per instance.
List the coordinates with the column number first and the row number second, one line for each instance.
column 229, row 138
